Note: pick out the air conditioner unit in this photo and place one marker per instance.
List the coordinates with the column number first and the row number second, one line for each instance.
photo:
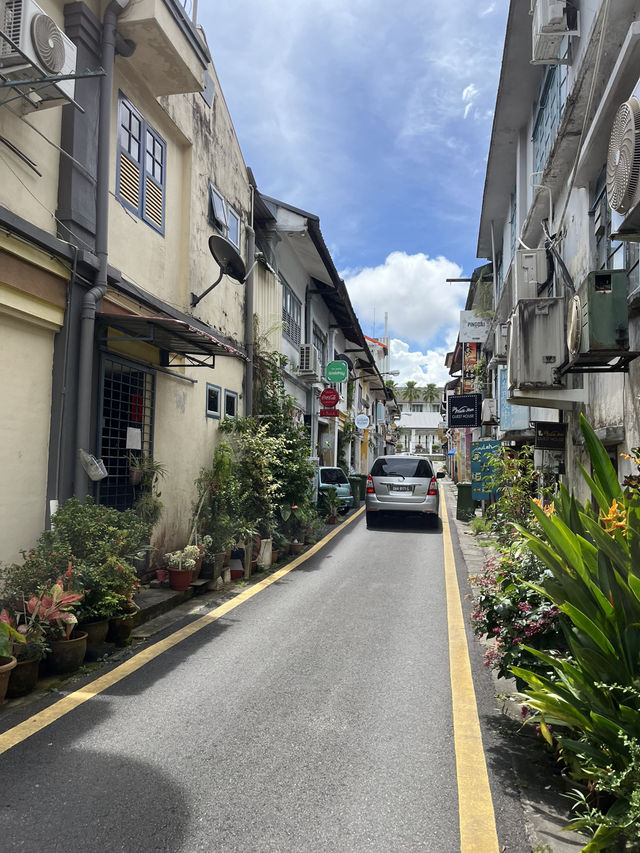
column 553, row 21
column 623, row 170
column 488, row 412
column 39, row 47
column 309, row 362
column 500, row 341
column 598, row 320
column 531, row 272
column 536, row 346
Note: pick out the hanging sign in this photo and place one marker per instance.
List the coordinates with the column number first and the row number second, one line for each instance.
column 482, row 470
column 464, row 410
column 471, row 354
column 329, row 397
column 336, row 371
column 329, row 413
column 362, row 421
column 473, row 329
column 550, row 435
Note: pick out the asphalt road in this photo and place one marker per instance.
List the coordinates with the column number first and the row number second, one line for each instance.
column 316, row 716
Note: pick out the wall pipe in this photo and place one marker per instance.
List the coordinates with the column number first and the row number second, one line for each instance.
column 93, row 296
column 249, row 322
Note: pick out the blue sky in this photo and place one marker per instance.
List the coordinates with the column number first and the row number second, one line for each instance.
column 376, row 117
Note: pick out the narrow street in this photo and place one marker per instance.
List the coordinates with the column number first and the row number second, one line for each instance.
column 315, row 716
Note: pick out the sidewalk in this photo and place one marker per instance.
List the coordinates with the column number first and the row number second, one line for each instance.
column 546, row 811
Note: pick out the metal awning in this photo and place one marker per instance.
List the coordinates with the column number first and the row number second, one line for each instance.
column 171, row 336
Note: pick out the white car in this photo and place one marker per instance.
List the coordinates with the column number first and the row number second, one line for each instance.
column 402, row 484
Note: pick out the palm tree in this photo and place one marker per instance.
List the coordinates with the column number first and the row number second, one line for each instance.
column 411, row 391
column 390, row 383
column 431, row 393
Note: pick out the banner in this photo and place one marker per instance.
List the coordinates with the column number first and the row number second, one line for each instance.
column 482, row 470
column 471, row 354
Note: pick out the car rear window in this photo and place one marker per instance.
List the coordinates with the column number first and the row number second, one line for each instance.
column 333, row 477
column 391, row 466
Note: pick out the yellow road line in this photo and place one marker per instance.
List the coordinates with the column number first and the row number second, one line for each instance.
column 475, row 807
column 39, row 721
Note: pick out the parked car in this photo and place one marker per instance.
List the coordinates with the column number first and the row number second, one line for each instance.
column 335, row 478
column 402, row 484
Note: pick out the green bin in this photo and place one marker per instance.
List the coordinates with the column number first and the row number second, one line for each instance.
column 465, row 509
column 362, row 484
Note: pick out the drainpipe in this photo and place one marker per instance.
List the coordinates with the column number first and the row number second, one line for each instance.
column 248, row 327
column 95, row 295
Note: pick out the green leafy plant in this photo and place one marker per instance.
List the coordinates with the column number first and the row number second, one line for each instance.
column 146, row 472
column 589, row 703
column 52, row 611
column 329, row 502
column 8, row 635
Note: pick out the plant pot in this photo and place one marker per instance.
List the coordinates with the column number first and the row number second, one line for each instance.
column 67, row 655
column 96, row 631
column 120, row 628
column 23, row 677
column 275, row 555
column 135, row 476
column 179, row 579
column 7, row 664
column 296, row 547
column 162, row 575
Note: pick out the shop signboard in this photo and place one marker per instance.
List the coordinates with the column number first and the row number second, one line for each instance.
column 550, row 435
column 464, row 411
column 329, row 413
column 482, row 455
column 336, row 371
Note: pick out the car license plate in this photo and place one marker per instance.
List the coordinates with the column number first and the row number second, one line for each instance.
column 401, row 488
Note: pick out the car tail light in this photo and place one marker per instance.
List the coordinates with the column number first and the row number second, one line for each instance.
column 433, row 487
column 370, row 489
column 349, row 492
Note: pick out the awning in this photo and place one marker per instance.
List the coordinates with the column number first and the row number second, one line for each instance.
column 172, row 336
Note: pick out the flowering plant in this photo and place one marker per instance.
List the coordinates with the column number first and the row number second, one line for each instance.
column 509, row 611
column 185, row 559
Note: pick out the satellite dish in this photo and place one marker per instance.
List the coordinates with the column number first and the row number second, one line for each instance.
column 228, row 259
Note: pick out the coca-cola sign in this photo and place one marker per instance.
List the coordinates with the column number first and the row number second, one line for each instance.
column 464, row 410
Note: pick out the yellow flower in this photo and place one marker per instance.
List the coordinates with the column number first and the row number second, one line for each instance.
column 548, row 509
column 616, row 519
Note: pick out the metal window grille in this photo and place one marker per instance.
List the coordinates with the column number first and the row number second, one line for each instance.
column 126, row 402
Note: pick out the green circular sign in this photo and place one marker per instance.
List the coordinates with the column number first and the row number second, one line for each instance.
column 336, row 371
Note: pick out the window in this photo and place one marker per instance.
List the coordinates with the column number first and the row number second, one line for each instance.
column 230, row 404
column 213, row 400
column 553, row 93
column 126, row 419
column 223, row 217
column 291, row 314
column 611, row 254
column 141, row 170
column 320, row 343
column 416, row 407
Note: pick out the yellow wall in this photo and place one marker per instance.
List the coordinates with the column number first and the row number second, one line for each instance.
column 27, row 330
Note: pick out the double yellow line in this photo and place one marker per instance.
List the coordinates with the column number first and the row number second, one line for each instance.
column 477, row 823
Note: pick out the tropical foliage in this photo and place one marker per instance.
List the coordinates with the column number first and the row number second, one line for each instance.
column 588, row 702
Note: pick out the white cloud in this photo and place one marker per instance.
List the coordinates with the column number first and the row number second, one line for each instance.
column 412, row 290
column 416, row 366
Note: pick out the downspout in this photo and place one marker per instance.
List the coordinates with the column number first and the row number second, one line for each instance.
column 95, row 295
column 249, row 332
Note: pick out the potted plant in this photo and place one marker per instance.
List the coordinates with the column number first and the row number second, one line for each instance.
column 181, row 565
column 330, row 504
column 29, row 647
column 52, row 611
column 8, row 636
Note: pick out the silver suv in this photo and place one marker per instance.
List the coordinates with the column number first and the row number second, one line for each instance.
column 405, row 484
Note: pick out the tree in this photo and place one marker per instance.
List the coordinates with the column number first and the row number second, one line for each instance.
column 431, row 393
column 411, row 391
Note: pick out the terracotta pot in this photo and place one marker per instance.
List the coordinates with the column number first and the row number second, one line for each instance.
column 96, row 631
column 67, row 655
column 135, row 476
column 162, row 575
column 7, row 664
column 179, row 579
column 296, row 547
column 275, row 554
column 24, row 677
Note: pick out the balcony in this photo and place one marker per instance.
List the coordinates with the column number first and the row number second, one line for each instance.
column 169, row 54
